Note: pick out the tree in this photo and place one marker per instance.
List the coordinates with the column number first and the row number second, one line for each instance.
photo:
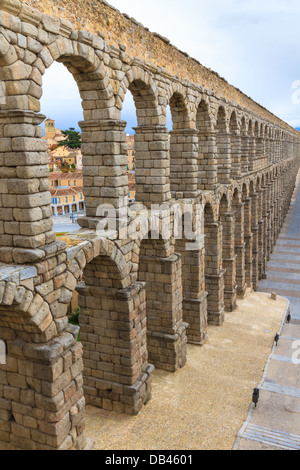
column 73, row 139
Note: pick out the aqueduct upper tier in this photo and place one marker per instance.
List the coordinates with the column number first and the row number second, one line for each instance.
column 141, row 299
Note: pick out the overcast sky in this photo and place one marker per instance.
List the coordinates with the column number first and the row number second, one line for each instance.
column 251, row 43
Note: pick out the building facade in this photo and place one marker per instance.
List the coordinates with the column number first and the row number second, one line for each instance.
column 66, row 191
column 60, row 157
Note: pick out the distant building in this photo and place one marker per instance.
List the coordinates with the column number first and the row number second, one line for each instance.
column 66, row 190
column 52, row 134
column 130, row 153
column 131, row 167
column 131, row 187
column 60, row 157
column 50, row 128
column 66, row 186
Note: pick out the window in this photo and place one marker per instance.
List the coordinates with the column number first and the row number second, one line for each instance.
column 75, row 183
column 80, row 196
column 59, row 200
column 74, row 198
column 66, row 199
column 69, row 183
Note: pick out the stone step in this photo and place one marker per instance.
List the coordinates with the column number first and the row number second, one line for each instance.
column 282, row 359
column 281, row 389
column 272, row 437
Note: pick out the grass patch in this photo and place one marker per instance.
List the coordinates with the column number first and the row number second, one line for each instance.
column 74, row 320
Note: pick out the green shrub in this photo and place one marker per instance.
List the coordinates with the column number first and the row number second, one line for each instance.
column 74, row 320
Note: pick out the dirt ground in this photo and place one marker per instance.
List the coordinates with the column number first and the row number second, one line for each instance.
column 202, row 406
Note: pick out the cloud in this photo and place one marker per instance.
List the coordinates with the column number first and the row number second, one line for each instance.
column 61, row 100
column 252, row 43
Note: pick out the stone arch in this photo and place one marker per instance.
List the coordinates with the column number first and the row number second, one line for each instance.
column 245, row 142
column 238, row 209
column 149, row 227
column 250, row 127
column 257, row 145
column 93, row 83
column 254, row 196
column 251, row 186
column 221, row 119
column 183, row 145
column 189, row 244
column 224, row 203
column 233, row 122
column 248, row 237
column 84, row 253
column 25, row 313
column 204, row 121
column 245, row 191
column 95, row 89
column 243, row 125
column 77, row 258
column 166, row 331
column 258, row 183
column 179, row 106
column 151, row 142
column 259, row 189
column 223, row 147
column 226, row 219
column 112, row 311
column 207, row 143
column 81, row 61
column 267, row 142
column 224, row 194
column 144, row 91
column 261, row 130
column 214, row 276
column 236, row 146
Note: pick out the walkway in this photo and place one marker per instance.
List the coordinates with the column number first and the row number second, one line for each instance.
column 63, row 223
column 275, row 423
column 203, row 405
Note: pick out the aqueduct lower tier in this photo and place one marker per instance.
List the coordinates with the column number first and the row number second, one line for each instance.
column 141, row 300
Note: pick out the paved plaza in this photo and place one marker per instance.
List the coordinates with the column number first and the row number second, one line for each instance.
column 64, row 224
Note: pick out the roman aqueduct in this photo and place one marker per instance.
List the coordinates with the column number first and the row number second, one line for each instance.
column 141, row 300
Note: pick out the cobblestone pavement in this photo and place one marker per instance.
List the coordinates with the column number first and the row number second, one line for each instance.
column 275, row 423
column 203, row 405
